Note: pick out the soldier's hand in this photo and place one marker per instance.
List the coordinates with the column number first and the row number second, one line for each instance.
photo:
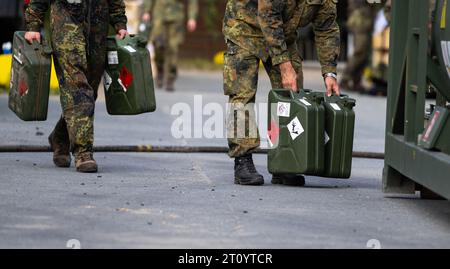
column 146, row 17
column 288, row 76
column 332, row 86
column 30, row 36
column 191, row 25
column 122, row 34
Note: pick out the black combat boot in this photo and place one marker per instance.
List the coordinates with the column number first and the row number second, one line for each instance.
column 245, row 172
column 61, row 151
column 60, row 145
column 288, row 179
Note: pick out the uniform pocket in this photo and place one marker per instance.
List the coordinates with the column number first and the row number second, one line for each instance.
column 230, row 62
column 229, row 70
column 240, row 71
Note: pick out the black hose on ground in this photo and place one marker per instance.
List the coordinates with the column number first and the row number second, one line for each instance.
column 162, row 149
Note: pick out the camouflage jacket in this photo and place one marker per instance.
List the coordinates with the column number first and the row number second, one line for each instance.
column 171, row 10
column 35, row 13
column 268, row 27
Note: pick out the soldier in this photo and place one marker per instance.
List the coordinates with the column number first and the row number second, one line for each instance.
column 168, row 33
column 267, row 30
column 78, row 36
column 360, row 24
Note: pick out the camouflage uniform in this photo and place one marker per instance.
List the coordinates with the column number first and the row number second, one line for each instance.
column 168, row 32
column 78, row 36
column 360, row 24
column 267, row 30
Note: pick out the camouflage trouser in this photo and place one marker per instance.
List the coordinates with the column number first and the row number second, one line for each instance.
column 240, row 78
column 167, row 37
column 356, row 64
column 79, row 56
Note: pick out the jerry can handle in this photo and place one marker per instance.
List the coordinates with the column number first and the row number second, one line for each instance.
column 35, row 45
column 46, row 48
column 333, row 97
column 285, row 93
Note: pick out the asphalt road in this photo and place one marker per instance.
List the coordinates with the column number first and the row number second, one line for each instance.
column 189, row 200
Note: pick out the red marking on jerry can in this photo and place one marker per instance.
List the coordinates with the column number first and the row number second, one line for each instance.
column 274, row 132
column 126, row 77
column 22, row 87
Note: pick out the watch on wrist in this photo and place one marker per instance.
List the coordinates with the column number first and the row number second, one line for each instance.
column 333, row 75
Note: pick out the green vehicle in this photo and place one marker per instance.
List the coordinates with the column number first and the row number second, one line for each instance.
column 30, row 79
column 128, row 78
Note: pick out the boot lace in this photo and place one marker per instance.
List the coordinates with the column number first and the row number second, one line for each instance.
column 248, row 165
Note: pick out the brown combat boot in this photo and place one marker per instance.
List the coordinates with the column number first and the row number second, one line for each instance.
column 85, row 163
column 61, row 151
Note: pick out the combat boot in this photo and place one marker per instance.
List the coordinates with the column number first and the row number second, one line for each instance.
column 245, row 172
column 288, row 179
column 85, row 163
column 61, row 151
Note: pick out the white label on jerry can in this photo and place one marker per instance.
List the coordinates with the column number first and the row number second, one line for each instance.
column 327, row 138
column 295, row 128
column 306, row 103
column 113, row 57
column 335, row 106
column 17, row 58
column 11, row 80
column 270, row 141
column 283, row 109
column 130, row 49
column 446, row 55
column 121, row 84
column 107, row 81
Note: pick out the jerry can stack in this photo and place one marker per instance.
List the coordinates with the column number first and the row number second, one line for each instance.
column 310, row 133
column 128, row 78
column 30, row 79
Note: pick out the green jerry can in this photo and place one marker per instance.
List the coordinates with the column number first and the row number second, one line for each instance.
column 339, row 133
column 296, row 132
column 30, row 79
column 128, row 78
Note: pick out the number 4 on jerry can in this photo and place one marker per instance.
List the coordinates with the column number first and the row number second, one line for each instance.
column 128, row 78
column 30, row 78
